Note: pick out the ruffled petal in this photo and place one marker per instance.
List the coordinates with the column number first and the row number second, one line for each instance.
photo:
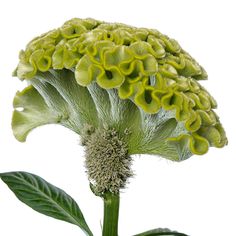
column 86, row 71
column 109, row 79
column 146, row 99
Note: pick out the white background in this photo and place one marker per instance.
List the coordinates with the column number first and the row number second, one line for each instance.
column 196, row 196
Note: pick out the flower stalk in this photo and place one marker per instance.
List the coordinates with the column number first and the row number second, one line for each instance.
column 111, row 214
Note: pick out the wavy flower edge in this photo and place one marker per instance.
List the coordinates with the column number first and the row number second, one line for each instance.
column 144, row 66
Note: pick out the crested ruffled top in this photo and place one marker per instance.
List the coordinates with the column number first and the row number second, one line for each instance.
column 143, row 65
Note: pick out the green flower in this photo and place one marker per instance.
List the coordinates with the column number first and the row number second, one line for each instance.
column 129, row 90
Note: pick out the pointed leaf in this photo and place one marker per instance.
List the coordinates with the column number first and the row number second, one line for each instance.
column 45, row 198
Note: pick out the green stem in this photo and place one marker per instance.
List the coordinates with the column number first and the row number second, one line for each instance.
column 111, row 214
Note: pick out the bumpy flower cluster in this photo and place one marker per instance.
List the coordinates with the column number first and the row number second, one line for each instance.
column 107, row 161
column 142, row 64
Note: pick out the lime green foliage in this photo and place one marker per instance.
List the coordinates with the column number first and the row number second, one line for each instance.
column 128, row 78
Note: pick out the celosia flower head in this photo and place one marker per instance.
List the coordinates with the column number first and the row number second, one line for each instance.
column 137, row 81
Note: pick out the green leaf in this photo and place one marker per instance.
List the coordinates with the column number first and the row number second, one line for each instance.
column 45, row 198
column 160, row 232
